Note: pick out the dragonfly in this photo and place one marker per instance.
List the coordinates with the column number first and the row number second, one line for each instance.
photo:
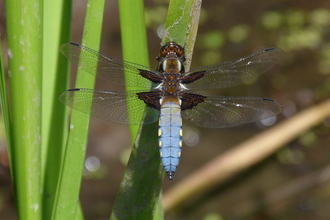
column 169, row 93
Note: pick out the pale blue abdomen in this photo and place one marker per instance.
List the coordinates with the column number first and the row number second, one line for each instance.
column 170, row 135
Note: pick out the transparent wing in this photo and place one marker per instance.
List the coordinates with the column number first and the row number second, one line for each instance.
column 109, row 105
column 106, row 68
column 221, row 112
column 235, row 72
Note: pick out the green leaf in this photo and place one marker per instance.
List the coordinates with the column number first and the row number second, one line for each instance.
column 54, row 114
column 142, row 182
column 66, row 202
column 4, row 104
column 24, row 34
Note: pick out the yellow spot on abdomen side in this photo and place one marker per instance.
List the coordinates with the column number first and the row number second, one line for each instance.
column 159, row 132
column 160, row 143
column 180, row 132
column 179, row 154
column 180, row 143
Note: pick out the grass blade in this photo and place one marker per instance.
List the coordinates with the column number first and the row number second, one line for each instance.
column 54, row 114
column 71, row 171
column 142, row 182
column 24, row 31
column 4, row 103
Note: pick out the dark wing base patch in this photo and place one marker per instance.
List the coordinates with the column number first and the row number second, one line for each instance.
column 150, row 98
column 189, row 100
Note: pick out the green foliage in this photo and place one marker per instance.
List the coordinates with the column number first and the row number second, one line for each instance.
column 68, row 188
column 140, row 188
column 25, row 59
column 46, row 152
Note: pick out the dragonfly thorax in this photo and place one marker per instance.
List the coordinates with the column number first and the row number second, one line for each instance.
column 171, row 69
column 171, row 88
column 172, row 64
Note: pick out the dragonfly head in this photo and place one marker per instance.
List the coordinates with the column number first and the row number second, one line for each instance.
column 171, row 56
column 172, row 48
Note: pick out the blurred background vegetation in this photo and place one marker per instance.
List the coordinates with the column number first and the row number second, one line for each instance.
column 291, row 184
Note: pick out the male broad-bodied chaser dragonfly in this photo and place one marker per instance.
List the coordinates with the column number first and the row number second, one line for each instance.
column 173, row 95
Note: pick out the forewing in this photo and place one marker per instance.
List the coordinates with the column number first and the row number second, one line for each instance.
column 235, row 72
column 222, row 112
column 110, row 105
column 106, row 68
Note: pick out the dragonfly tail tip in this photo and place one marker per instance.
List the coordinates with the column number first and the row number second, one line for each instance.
column 170, row 175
